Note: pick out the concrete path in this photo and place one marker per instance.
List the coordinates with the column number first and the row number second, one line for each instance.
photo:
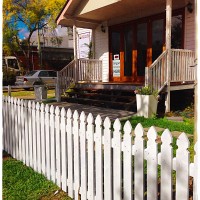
column 104, row 112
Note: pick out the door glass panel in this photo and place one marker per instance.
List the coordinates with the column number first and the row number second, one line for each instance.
column 141, row 49
column 177, row 27
column 157, row 38
column 115, row 41
column 128, row 41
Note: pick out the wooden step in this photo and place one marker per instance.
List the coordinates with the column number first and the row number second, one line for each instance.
column 131, row 106
column 99, row 96
column 107, row 98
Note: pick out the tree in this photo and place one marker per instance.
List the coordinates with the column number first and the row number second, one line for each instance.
column 31, row 15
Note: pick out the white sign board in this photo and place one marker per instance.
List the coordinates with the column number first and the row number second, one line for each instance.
column 83, row 42
column 116, row 68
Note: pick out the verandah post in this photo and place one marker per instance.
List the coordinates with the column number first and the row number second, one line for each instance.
column 147, row 78
column 58, row 87
column 168, row 47
column 75, row 51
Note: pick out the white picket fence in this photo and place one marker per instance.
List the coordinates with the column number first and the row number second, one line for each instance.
column 92, row 159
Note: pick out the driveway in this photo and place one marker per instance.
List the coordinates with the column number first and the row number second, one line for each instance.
column 103, row 112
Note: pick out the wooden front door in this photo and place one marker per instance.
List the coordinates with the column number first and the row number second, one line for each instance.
column 137, row 44
column 121, row 54
column 133, row 47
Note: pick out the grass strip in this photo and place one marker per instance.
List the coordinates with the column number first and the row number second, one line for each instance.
column 22, row 183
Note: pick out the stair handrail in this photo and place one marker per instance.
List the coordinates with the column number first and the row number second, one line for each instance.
column 156, row 73
column 65, row 78
column 84, row 70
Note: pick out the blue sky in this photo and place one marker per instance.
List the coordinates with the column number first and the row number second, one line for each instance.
column 23, row 33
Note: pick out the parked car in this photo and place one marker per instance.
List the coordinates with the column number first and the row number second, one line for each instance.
column 47, row 76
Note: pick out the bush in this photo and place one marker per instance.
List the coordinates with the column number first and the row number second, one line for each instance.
column 9, row 77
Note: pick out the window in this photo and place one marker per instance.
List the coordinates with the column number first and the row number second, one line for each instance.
column 52, row 74
column 43, row 74
column 31, row 73
column 177, row 30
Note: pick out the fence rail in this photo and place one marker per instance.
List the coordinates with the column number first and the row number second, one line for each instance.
column 94, row 159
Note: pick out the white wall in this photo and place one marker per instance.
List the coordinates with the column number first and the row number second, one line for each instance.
column 48, row 34
column 102, row 50
column 189, row 30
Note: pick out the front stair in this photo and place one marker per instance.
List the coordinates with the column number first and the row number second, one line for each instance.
column 115, row 96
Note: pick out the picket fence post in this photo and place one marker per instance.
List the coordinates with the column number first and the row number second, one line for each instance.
column 117, row 168
column 195, row 189
column 30, row 134
column 47, row 142
column 63, row 150
column 43, row 138
column 52, row 136
column 38, row 133
column 34, row 135
column 127, row 158
column 9, row 126
column 139, row 163
column 22, row 132
column 15, row 128
column 5, row 123
column 70, row 153
column 98, row 158
column 26, row 134
column 12, row 126
column 166, row 165
column 182, row 168
column 84, row 166
column 76, row 154
column 107, row 159
column 58, row 147
column 152, row 172
column 90, row 136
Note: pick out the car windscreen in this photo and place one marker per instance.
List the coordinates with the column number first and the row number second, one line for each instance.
column 52, row 74
column 43, row 74
column 30, row 73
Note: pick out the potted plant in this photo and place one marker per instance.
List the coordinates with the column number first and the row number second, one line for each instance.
column 40, row 89
column 147, row 101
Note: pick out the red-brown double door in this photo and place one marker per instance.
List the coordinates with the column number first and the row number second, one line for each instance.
column 135, row 45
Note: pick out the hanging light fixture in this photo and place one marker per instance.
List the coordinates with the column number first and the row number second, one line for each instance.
column 103, row 29
column 189, row 7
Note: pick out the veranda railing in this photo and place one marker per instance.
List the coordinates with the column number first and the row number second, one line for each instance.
column 181, row 70
column 156, row 74
column 181, row 63
column 90, row 158
column 87, row 70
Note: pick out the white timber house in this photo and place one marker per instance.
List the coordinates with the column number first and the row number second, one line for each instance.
column 133, row 43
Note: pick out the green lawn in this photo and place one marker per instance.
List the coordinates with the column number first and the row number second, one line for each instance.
column 22, row 183
column 20, row 93
column 186, row 126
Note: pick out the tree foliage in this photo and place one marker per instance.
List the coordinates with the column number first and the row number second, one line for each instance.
column 31, row 15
